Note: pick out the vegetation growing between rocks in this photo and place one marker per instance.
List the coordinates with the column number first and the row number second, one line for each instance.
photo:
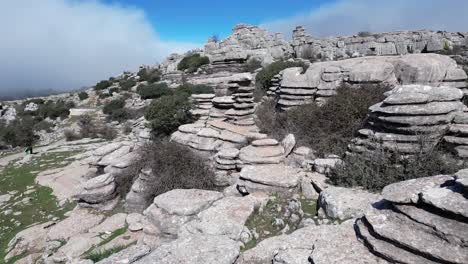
column 116, row 111
column 83, row 95
column 149, row 75
column 381, row 168
column 263, row 78
column 191, row 63
column 327, row 129
column 41, row 205
column 153, row 91
column 104, row 84
column 173, row 166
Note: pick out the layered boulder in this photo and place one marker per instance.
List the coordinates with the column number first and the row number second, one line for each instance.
column 425, row 220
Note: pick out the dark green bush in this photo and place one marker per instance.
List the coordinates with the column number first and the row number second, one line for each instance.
column 113, row 90
column 43, row 125
column 189, row 89
column 53, row 110
column 116, row 111
column 71, row 135
column 38, row 101
column 154, row 91
column 126, row 85
column 104, row 84
column 192, row 62
column 364, row 34
column 83, row 95
column 113, row 105
column 149, row 75
column 87, row 126
column 19, row 132
column 326, row 129
column 263, row 78
column 375, row 171
column 167, row 113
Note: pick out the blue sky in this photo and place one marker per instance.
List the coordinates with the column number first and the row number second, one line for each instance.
column 195, row 21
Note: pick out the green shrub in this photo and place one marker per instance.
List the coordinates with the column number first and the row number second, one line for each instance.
column 126, row 85
column 104, row 84
column 71, row 135
column 113, row 90
column 252, row 65
column 19, row 132
column 113, row 105
column 192, row 62
column 153, row 91
column 328, row 128
column 364, row 34
column 189, row 89
column 116, row 111
column 53, row 110
column 375, row 171
column 103, row 254
column 44, row 125
column 149, row 75
column 87, row 126
column 263, row 78
column 38, row 101
column 167, row 113
column 170, row 173
column 83, row 95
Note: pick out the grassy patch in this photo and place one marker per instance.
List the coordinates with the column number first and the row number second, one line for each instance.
column 105, row 240
column 265, row 222
column 38, row 205
column 100, row 255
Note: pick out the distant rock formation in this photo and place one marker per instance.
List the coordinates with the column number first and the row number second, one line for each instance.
column 374, row 44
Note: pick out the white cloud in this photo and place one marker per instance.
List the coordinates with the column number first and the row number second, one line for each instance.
column 346, row 17
column 62, row 44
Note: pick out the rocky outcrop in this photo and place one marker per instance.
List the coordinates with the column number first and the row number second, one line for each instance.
column 322, row 79
column 202, row 105
column 98, row 193
column 412, row 118
column 244, row 42
column 424, row 221
column 378, row 44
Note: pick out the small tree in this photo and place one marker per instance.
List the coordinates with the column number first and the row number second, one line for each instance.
column 83, row 95
column 167, row 113
column 104, row 84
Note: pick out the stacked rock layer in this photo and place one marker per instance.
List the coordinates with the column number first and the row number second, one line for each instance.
column 412, row 118
column 322, row 79
column 423, row 221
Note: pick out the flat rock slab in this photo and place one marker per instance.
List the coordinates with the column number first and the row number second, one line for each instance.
column 414, row 237
column 111, row 224
column 388, row 250
column 197, row 249
column 447, row 199
column 107, row 149
column 225, row 217
column 31, row 240
column 273, row 175
column 265, row 142
column 433, row 108
column 453, row 230
column 186, row 201
column 345, row 203
column 408, row 191
column 79, row 221
column 418, row 94
column 114, row 156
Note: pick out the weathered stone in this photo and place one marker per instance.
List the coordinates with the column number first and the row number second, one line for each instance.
column 79, row 221
column 111, row 224
column 196, row 249
column 448, row 199
column 270, row 177
column 128, row 255
column 186, row 201
column 344, row 203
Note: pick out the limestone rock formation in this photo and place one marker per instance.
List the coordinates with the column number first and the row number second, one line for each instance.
column 424, row 221
column 412, row 118
column 321, row 79
column 379, row 44
column 98, row 192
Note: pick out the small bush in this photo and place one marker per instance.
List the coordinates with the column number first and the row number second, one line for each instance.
column 87, row 126
column 309, row 54
column 189, row 89
column 44, row 125
column 83, row 95
column 263, row 78
column 53, row 110
column 126, row 85
column 326, row 129
column 153, row 91
column 252, row 65
column 192, row 62
column 127, row 128
column 170, row 173
column 104, row 84
column 113, row 90
column 71, row 135
column 364, row 34
column 149, row 75
column 167, row 113
column 375, row 171
column 113, row 105
column 108, row 133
